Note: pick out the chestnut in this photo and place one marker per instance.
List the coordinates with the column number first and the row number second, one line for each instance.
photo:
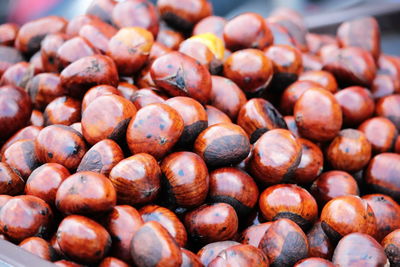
column 136, row 179
column 211, row 222
column 28, row 132
column 253, row 234
column 238, row 35
column 180, row 75
column 101, row 9
column 292, row 126
column 311, row 163
column 25, row 216
column 86, row 193
column 275, row 144
column 319, row 243
column 130, row 48
column 82, row 239
column 216, row 116
column 183, row 16
column 185, row 179
column 311, row 121
column 359, row 249
column 280, row 33
column 211, row 24
column 39, row 247
column 356, row 103
column 222, row 144
column 189, row 259
column 388, row 65
column 391, row 245
column 18, row 74
column 98, row 33
column 45, row 180
column 112, row 262
column 349, row 151
column 8, row 33
column 122, row 223
column 11, row 182
column 36, row 62
column 60, row 144
column 347, row 214
column 382, row 174
column 37, row 118
column 284, row 243
column 8, row 57
column 87, row 72
column 15, row 110
column 194, row 118
column 147, row 96
column 332, row 184
column 211, row 250
column 62, row 110
column 48, row 51
column 387, row 214
column 107, row 117
column 167, row 219
column 77, row 126
column 136, row 13
column 170, row 38
column 152, row 245
column 388, row 107
column 240, row 255
column 258, row 116
column 155, row 129
column 73, row 49
column 97, row 91
column 323, row 78
column 250, row 69
column 289, row 201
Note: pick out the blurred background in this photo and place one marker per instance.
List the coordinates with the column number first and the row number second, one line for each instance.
column 322, row 16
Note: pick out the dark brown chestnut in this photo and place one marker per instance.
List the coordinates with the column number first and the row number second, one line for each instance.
column 253, row 234
column 240, row 255
column 311, row 163
column 11, row 182
column 319, row 243
column 391, row 245
column 39, row 247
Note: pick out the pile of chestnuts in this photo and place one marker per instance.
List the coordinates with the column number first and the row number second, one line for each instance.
column 161, row 135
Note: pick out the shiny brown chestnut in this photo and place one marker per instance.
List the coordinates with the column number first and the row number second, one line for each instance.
column 180, row 75
column 216, row 116
column 258, row 116
column 183, row 16
column 37, row 118
column 194, row 118
column 291, row 202
column 234, row 187
column 347, row 214
column 155, row 129
column 112, row 262
column 211, row 24
column 384, row 85
column 28, row 132
column 39, row 247
column 18, row 74
column 136, row 179
column 11, row 182
column 147, row 96
column 211, row 222
column 136, row 13
column 319, row 243
column 97, row 91
column 62, row 110
column 167, row 219
column 314, row 262
column 349, row 151
column 391, row 245
column 389, row 107
column 324, row 78
column 8, row 57
column 60, row 144
column 247, row 30
column 250, row 69
column 359, row 249
column 185, row 179
column 25, row 216
column 48, row 51
column 45, row 180
column 107, row 117
column 387, row 214
column 318, row 115
column 72, row 50
column 82, row 239
column 122, row 223
column 382, row 174
column 44, row 88
column 284, row 243
column 8, row 33
column 170, row 38
column 253, row 234
column 189, row 259
column 210, row 251
column 15, row 110
column 222, row 144
column 81, row 75
column 275, row 144
column 85, row 193
column 332, row 184
column 380, row 132
column 98, row 33
column 240, row 255
column 152, row 245
column 356, row 103
column 311, row 163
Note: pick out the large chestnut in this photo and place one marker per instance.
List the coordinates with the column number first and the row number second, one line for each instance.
column 311, row 163
column 253, row 234
column 44, row 88
column 62, row 110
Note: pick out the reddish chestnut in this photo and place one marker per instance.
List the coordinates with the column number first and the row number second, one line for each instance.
column 44, row 88
column 8, row 33
column 189, row 259
column 210, row 251
column 211, row 24
column 216, row 116
column 62, row 110
column 39, row 247
column 311, row 163
column 97, row 91
column 11, row 182
column 253, row 234
column 98, row 33
column 29, row 132
column 391, row 245
column 319, row 243
column 240, row 255
column 112, row 262
column 323, row 78
column 389, row 107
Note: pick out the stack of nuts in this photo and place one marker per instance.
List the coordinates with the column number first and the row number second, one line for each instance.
column 160, row 135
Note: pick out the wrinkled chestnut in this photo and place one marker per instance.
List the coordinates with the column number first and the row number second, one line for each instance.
column 82, row 239
column 180, row 75
column 284, row 243
column 347, row 214
column 389, row 107
column 167, row 219
column 275, row 144
column 152, row 245
column 323, row 78
column 136, row 179
column 391, row 245
column 242, row 255
column 222, row 144
column 253, row 234
column 318, row 115
column 210, row 251
column 211, row 223
column 45, row 180
column 11, row 182
column 44, row 88
column 62, row 110
column 25, row 216
column 290, row 202
column 97, row 91
column 319, row 243
column 39, row 247
column 155, row 129
column 332, row 184
column 185, row 179
column 311, row 163
column 216, row 116
column 359, row 249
